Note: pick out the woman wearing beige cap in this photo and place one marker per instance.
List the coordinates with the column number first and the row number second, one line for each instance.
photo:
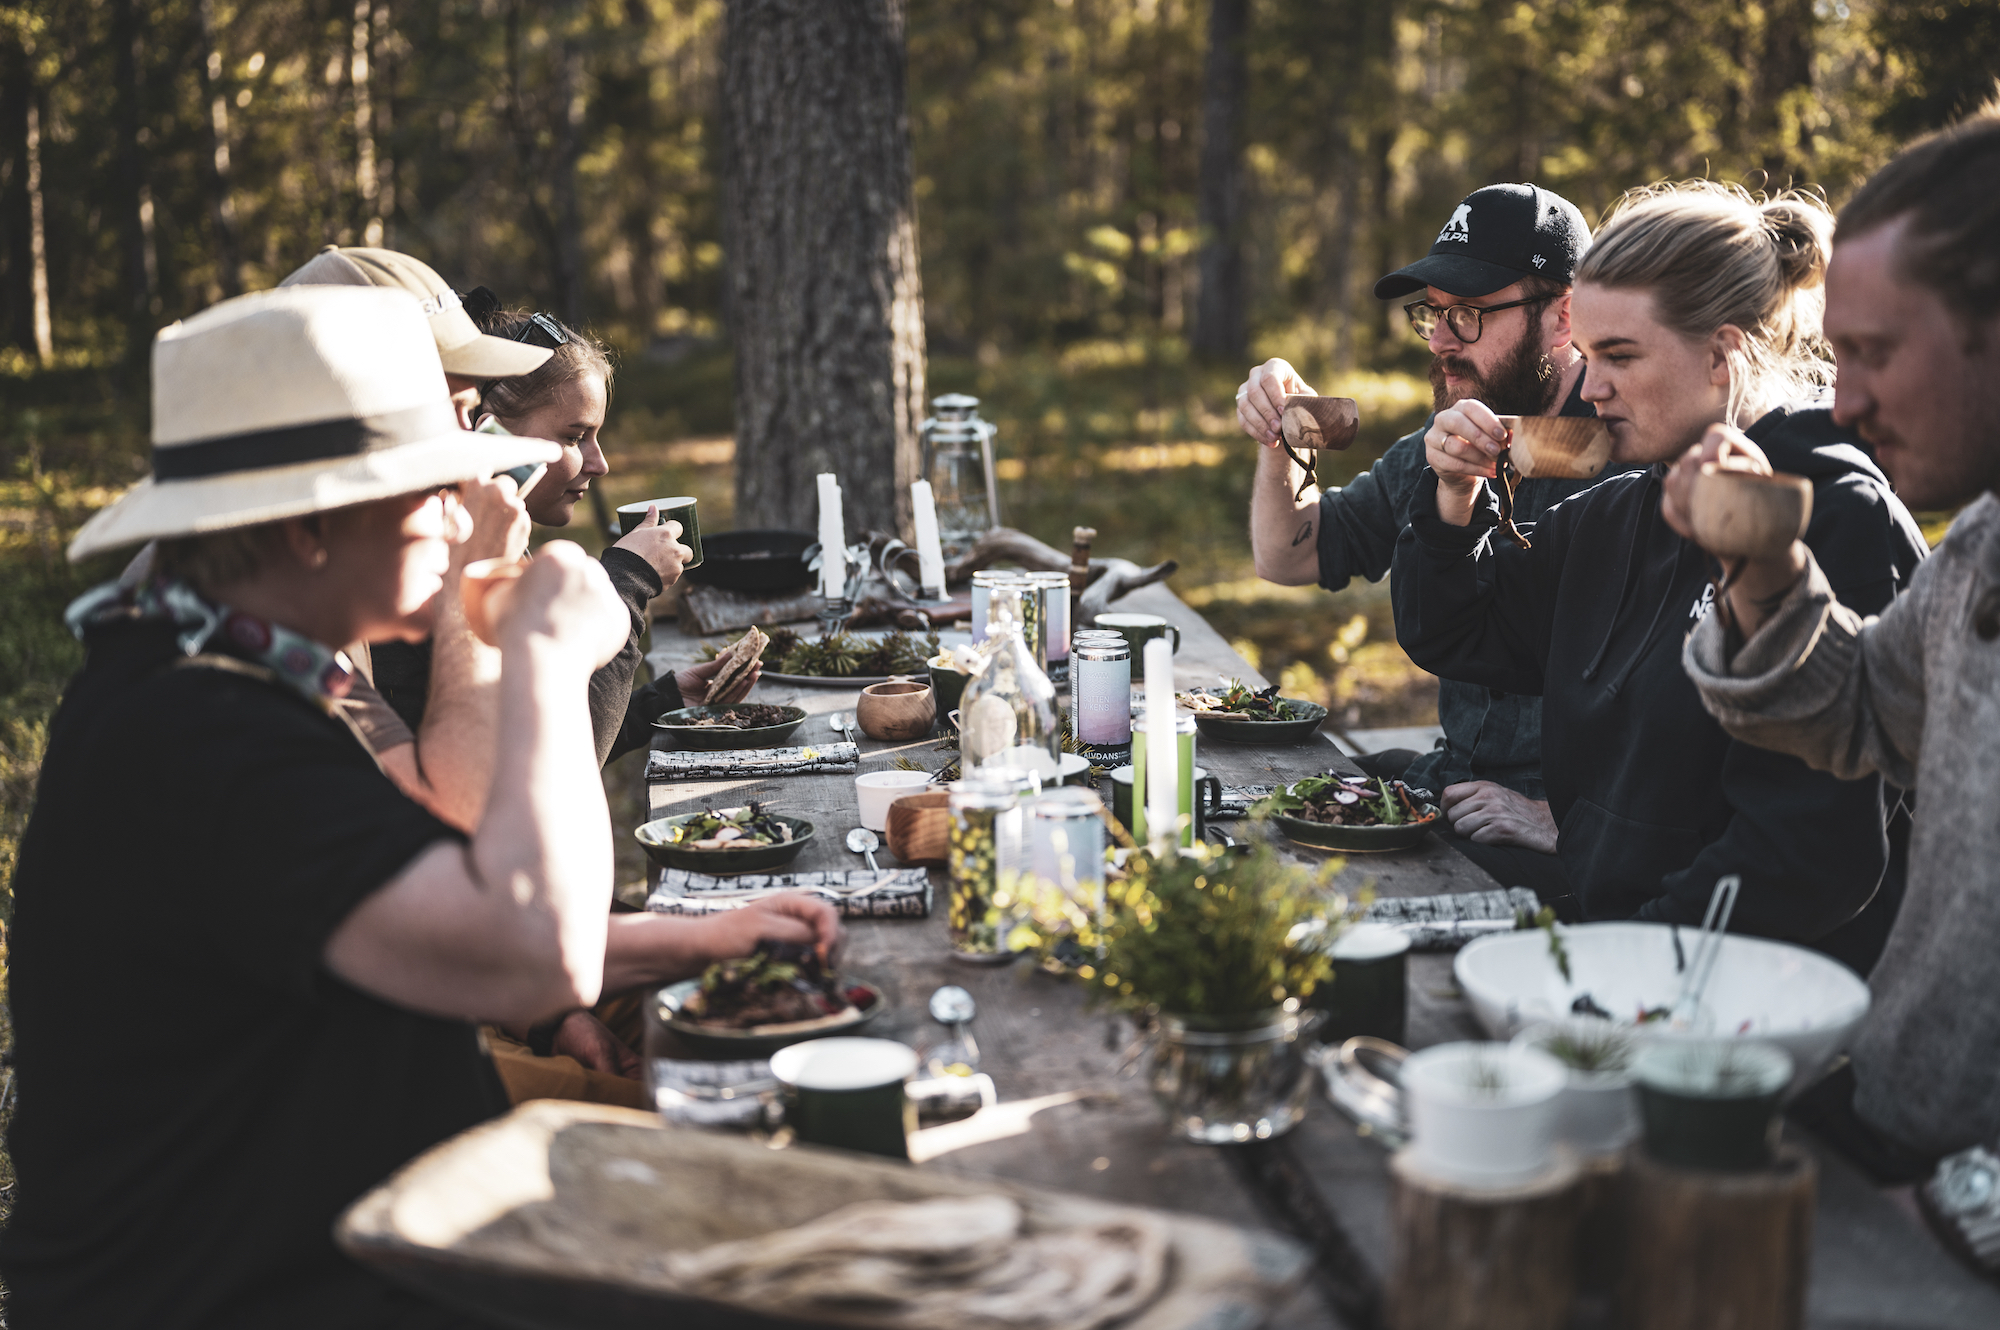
column 244, row 965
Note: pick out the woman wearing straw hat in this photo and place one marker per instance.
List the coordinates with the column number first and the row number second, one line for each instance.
column 281, row 968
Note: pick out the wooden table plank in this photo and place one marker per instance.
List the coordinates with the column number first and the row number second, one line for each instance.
column 1325, row 1183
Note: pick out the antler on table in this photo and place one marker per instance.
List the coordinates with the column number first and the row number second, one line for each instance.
column 1110, row 579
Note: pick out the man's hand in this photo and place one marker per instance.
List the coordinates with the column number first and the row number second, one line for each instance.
column 563, row 595
column 1260, row 402
column 500, row 524
column 1492, row 814
column 1755, row 585
column 658, row 543
column 583, row 1037
column 791, row 917
column 1461, row 445
column 694, row 682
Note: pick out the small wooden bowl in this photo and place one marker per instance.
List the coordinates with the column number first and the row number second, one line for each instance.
column 920, row 828
column 485, row 588
column 1328, row 423
column 896, row 711
column 1563, row 446
column 1738, row 514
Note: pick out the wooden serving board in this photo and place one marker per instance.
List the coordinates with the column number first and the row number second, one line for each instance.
column 559, row 1216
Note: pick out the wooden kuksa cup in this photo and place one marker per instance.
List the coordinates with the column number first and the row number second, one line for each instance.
column 1738, row 514
column 485, row 588
column 1319, row 423
column 1568, row 447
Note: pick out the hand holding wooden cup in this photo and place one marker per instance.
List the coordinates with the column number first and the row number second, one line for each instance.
column 487, row 591
column 1319, row 423
column 1724, row 496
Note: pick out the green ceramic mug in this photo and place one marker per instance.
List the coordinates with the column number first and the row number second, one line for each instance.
column 1197, row 810
column 849, row 1093
column 1137, row 630
column 1369, row 991
column 678, row 509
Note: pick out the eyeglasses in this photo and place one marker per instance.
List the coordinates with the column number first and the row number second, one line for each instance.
column 1466, row 322
column 547, row 327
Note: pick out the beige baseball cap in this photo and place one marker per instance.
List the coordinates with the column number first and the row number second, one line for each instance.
column 461, row 346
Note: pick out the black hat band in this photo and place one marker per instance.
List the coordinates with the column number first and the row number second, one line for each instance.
column 261, row 449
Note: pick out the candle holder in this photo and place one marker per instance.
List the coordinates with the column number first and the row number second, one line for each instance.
column 834, row 612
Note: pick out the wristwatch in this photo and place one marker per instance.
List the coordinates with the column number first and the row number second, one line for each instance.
column 1964, row 1198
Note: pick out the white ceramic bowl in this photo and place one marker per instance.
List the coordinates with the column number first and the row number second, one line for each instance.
column 1800, row 1000
column 1597, row 1112
column 876, row 790
column 1482, row 1115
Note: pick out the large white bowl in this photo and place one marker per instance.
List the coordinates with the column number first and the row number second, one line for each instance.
column 1798, row 999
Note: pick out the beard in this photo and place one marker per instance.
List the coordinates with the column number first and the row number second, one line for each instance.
column 1524, row 384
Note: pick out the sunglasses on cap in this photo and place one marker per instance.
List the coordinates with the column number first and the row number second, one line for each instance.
column 541, row 330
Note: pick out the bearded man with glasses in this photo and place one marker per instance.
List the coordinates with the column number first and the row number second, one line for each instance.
column 1493, row 307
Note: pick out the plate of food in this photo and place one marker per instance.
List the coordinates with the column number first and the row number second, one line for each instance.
column 760, row 1003
column 846, row 660
column 1245, row 715
column 1351, row 813
column 750, row 839
column 741, row 725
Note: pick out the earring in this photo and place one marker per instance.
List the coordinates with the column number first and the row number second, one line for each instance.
column 317, row 560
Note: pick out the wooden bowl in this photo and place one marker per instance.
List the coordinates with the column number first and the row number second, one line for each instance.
column 485, row 588
column 1558, row 446
column 920, row 828
column 1328, row 423
column 1738, row 514
column 896, row 711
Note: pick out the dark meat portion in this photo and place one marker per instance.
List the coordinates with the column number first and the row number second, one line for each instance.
column 782, row 982
column 744, row 716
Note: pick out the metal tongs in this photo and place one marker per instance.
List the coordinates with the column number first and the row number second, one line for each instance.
column 1707, row 951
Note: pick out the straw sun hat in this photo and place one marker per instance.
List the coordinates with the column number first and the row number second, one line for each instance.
column 292, row 402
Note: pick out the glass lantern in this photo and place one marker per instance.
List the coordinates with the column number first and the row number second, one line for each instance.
column 958, row 462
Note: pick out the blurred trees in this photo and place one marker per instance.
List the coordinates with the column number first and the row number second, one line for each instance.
column 566, row 153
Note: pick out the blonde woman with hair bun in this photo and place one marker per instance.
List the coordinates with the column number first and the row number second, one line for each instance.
column 1697, row 307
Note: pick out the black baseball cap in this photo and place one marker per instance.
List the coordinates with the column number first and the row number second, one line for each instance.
column 1497, row 236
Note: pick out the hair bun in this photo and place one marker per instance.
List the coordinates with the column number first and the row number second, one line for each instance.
column 1801, row 230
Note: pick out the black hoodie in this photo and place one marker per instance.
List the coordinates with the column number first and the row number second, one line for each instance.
column 1652, row 799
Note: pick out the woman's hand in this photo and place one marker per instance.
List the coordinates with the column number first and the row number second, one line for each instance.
column 1491, row 814
column 583, row 1037
column 658, row 543
column 1461, row 445
column 795, row 916
column 1260, row 402
column 694, row 682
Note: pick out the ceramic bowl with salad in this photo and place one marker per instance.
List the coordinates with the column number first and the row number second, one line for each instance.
column 1245, row 715
column 751, row 839
column 1356, row 814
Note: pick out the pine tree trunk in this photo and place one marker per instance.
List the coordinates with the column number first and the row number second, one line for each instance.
column 361, row 43
column 15, row 94
column 134, row 200
column 1785, row 70
column 1220, row 323
column 825, row 302
column 222, row 204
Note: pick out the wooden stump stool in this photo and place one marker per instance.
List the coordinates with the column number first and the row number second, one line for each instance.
column 1717, row 1251
column 1462, row 1259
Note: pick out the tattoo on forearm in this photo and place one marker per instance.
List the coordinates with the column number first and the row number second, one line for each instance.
column 1305, row 534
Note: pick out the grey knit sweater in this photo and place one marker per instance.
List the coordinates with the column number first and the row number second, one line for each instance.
column 1915, row 696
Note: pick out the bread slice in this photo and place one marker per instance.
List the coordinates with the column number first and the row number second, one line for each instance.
column 738, row 658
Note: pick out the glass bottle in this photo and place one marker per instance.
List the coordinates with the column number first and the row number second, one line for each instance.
column 1007, row 715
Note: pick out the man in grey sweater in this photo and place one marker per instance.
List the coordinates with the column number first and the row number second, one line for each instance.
column 1913, row 313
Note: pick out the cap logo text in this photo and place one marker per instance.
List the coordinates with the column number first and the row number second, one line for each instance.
column 1539, row 260
column 1459, row 228
column 440, row 301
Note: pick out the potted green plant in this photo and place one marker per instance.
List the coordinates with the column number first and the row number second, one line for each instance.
column 1218, row 952
column 1711, row 1103
column 1597, row 1112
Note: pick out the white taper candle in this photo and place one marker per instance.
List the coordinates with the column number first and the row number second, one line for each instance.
column 832, row 539
column 1163, row 754
column 930, row 551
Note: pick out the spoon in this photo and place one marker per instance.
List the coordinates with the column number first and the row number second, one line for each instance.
column 863, row 842
column 841, row 725
column 952, row 1005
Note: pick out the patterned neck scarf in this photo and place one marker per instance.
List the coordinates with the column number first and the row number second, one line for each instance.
column 317, row 673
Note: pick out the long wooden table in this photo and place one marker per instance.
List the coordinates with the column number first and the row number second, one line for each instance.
column 1873, row 1265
